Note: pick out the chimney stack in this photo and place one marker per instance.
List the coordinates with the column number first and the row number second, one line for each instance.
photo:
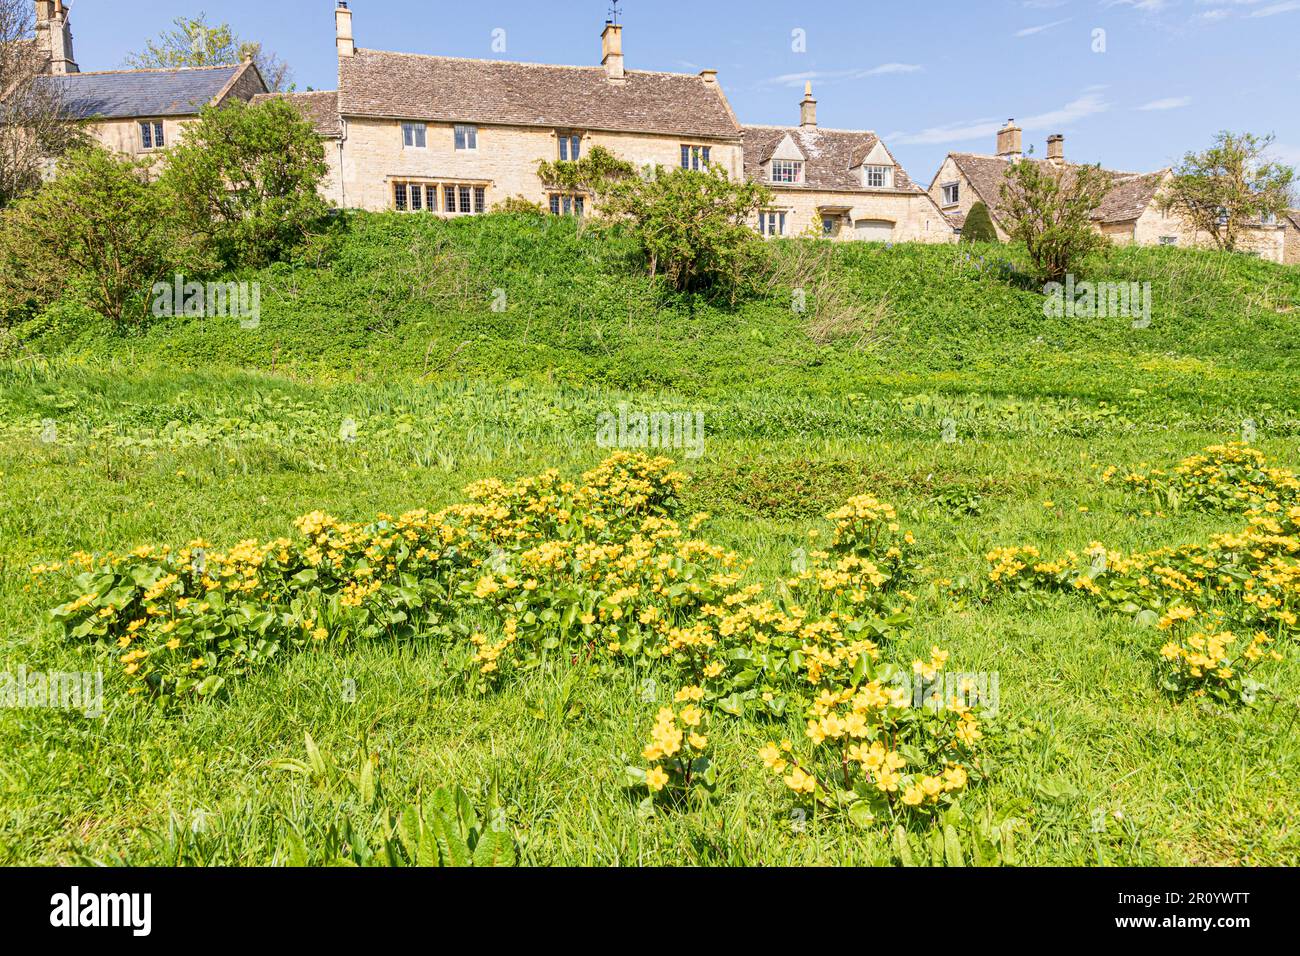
column 808, row 108
column 1056, row 148
column 1010, row 141
column 343, row 30
column 709, row 76
column 611, row 48
column 54, row 37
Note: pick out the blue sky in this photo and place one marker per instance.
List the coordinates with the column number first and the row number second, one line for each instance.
column 930, row 76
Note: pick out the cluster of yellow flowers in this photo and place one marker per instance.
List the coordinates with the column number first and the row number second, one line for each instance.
column 1242, row 582
column 678, row 745
column 875, row 751
column 1231, row 477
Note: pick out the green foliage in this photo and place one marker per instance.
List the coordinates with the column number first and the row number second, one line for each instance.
column 1223, row 189
column 595, row 174
column 693, row 227
column 445, row 831
column 193, row 41
column 1050, row 211
column 518, row 206
column 101, row 232
column 979, row 225
column 245, row 179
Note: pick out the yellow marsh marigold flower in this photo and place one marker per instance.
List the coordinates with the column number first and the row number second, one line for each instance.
column 772, row 758
column 800, row 782
column 656, row 779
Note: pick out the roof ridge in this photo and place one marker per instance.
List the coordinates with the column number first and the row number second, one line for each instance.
column 817, row 129
column 158, row 69
column 530, row 63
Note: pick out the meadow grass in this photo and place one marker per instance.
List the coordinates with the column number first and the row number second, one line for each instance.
column 189, row 430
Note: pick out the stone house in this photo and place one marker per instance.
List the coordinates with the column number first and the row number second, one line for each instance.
column 457, row 136
column 1291, row 242
column 1130, row 212
column 135, row 112
column 840, row 184
column 451, row 136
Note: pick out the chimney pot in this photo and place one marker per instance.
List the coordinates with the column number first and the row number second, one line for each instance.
column 343, row 30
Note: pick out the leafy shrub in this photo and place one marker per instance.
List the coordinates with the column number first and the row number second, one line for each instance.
column 246, row 178
column 101, row 232
column 1050, row 211
column 693, row 227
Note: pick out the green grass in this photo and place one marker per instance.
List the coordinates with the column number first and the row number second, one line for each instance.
column 198, row 428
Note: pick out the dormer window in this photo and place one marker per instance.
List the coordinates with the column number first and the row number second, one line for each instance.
column 951, row 194
column 878, row 177
column 787, row 171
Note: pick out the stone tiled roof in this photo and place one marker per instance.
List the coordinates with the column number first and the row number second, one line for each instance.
column 1129, row 195
column 128, row 93
column 448, row 89
column 320, row 107
column 1294, row 216
column 830, row 157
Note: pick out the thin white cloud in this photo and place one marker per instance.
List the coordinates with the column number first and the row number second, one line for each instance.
column 840, row 76
column 1033, row 31
column 1168, row 103
column 1089, row 104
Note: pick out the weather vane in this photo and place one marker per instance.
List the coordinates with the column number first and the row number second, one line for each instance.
column 613, row 11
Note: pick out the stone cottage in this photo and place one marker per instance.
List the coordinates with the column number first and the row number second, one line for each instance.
column 136, row 112
column 453, row 136
column 841, row 184
column 1129, row 213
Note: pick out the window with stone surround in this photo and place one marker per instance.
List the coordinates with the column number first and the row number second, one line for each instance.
column 787, row 171
column 570, row 146
column 951, row 194
column 466, row 137
column 414, row 135
column 695, row 157
column 771, row 222
column 878, row 177
column 151, row 135
column 567, row 204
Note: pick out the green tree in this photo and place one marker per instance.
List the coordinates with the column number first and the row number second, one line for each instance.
column 1221, row 190
column 978, row 226
column 1050, row 209
column 99, row 232
column 693, row 227
column 193, row 41
column 246, row 180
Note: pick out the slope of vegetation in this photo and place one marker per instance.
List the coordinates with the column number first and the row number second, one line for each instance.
column 411, row 357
